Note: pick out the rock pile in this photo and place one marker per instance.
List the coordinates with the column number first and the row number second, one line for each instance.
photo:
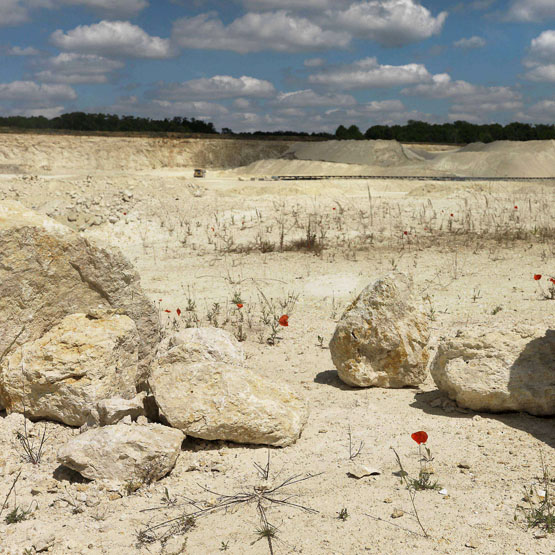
column 80, row 340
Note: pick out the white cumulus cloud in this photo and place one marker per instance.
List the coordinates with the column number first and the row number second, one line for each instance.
column 19, row 51
column 72, row 68
column 468, row 98
column 15, row 12
column 309, row 98
column 541, row 58
column 12, row 12
column 29, row 91
column 293, row 4
column 28, row 98
column 217, row 87
column 112, row 39
column 531, row 10
column 112, row 8
column 368, row 74
column 470, row 43
column 388, row 22
column 279, row 31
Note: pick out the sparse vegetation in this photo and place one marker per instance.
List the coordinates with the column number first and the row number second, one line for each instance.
column 539, row 510
column 262, row 495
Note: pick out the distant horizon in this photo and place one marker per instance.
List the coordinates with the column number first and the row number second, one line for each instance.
column 459, row 132
column 274, row 65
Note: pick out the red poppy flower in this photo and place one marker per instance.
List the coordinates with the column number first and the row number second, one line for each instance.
column 537, row 277
column 125, row 213
column 451, row 215
column 552, row 280
column 239, row 305
column 420, row 437
column 405, row 232
column 516, row 207
column 178, row 312
column 284, row 320
column 333, row 208
column 212, row 228
column 168, row 311
column 159, row 300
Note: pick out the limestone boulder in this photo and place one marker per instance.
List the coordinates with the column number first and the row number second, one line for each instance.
column 123, row 453
column 66, row 372
column 48, row 271
column 205, row 345
column 498, row 370
column 382, row 337
column 215, row 400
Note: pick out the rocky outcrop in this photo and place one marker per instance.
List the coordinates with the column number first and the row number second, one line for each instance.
column 215, row 400
column 381, row 339
column 123, row 453
column 66, row 372
column 47, row 272
column 498, row 370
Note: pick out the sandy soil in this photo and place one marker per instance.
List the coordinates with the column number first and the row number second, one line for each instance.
column 200, row 242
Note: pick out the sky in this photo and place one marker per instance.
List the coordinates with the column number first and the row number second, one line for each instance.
column 301, row 65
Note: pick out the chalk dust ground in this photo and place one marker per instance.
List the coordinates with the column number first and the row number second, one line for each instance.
column 199, row 242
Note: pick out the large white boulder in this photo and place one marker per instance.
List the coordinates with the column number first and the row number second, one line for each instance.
column 47, row 271
column 216, row 400
column 66, row 372
column 123, row 453
column 498, row 370
column 382, row 337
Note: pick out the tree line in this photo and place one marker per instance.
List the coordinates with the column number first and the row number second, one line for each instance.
column 458, row 132
column 450, row 133
column 80, row 121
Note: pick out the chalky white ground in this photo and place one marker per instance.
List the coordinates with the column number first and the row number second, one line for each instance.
column 466, row 280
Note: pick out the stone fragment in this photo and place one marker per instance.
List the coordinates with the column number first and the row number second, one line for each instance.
column 120, row 454
column 381, row 339
column 48, row 271
column 498, row 370
column 205, row 345
column 111, row 411
column 215, row 400
column 78, row 363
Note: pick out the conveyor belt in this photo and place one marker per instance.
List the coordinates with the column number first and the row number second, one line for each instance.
column 411, row 177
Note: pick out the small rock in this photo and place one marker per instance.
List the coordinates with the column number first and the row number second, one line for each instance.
column 397, row 513
column 118, row 454
column 43, row 542
column 463, row 465
column 112, row 410
column 360, row 471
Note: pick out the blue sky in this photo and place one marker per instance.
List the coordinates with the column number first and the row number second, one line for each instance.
column 281, row 64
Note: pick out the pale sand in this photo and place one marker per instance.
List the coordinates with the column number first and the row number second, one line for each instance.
column 167, row 234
